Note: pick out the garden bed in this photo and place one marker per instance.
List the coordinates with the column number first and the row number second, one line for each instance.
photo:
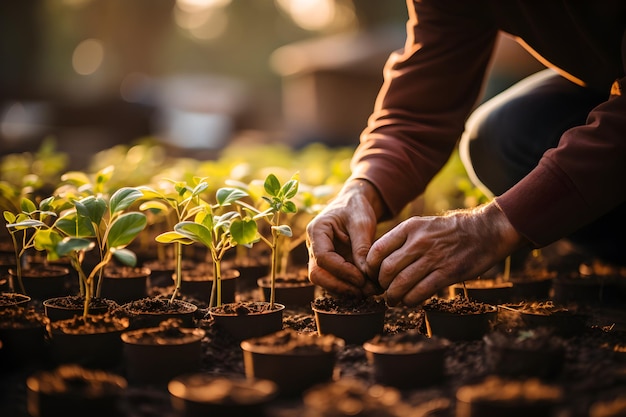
column 591, row 371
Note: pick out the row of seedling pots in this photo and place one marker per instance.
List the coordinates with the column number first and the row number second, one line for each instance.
column 395, row 359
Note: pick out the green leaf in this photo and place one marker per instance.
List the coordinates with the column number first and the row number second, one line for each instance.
column 243, row 231
column 26, row 224
column 196, row 232
column 73, row 244
column 48, row 240
column 76, row 177
column 125, row 228
column 74, row 225
column 27, row 206
column 204, row 218
column 198, row 189
column 125, row 256
column 290, row 189
column 289, row 207
column 104, row 174
column 272, row 185
column 283, row 230
column 229, row 195
column 123, row 198
column 91, row 207
column 173, row 237
column 9, row 217
column 154, row 205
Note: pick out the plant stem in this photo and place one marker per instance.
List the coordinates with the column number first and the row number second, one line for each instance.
column 178, row 247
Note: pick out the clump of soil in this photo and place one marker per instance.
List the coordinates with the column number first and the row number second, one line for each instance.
column 351, row 397
column 9, row 299
column 409, row 341
column 541, row 338
column 168, row 331
column 90, row 324
column 545, row 308
column 457, row 305
column 500, row 390
column 90, row 383
column 78, row 301
column 20, row 317
column 349, row 304
column 155, row 305
column 291, row 341
column 243, row 308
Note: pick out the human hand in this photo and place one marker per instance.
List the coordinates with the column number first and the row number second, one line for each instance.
column 339, row 239
column 422, row 255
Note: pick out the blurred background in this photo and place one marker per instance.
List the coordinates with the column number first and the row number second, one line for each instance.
column 198, row 75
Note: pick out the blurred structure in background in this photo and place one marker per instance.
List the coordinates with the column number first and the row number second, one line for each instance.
column 195, row 74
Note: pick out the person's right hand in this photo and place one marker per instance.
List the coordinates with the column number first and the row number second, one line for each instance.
column 339, row 238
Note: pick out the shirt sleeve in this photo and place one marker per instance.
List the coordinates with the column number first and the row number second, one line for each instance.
column 429, row 89
column 576, row 182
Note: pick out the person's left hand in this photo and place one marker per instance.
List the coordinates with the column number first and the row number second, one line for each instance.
column 422, row 255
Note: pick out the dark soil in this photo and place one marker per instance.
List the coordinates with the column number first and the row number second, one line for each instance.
column 11, row 298
column 242, row 308
column 592, row 371
column 155, row 305
column 101, row 323
column 76, row 301
column 457, row 305
column 348, row 305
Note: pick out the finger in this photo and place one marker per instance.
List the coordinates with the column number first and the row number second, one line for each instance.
column 328, row 281
column 386, row 258
column 406, row 280
column 362, row 231
column 339, row 268
column 425, row 288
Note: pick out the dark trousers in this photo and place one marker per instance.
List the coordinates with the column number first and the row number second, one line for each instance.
column 506, row 136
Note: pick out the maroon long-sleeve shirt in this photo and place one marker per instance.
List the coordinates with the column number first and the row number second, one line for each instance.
column 432, row 85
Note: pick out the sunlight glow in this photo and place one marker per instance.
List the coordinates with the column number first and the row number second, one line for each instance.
column 191, row 6
column 203, row 19
column 310, row 14
column 88, row 56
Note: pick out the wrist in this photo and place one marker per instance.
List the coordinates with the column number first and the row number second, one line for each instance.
column 367, row 191
column 509, row 237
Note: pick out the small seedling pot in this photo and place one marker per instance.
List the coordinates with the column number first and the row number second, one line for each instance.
column 460, row 326
column 562, row 321
column 526, row 353
column 155, row 355
column 200, row 395
column 199, row 285
column 291, row 292
column 512, row 398
column 150, row 312
column 71, row 390
column 353, row 327
column 92, row 341
column 124, row 284
column 246, row 320
column 408, row 360
column 63, row 308
column 486, row 291
column 41, row 283
column 295, row 362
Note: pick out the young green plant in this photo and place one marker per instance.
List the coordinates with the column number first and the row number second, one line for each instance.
column 22, row 227
column 278, row 199
column 92, row 222
column 180, row 204
column 218, row 229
